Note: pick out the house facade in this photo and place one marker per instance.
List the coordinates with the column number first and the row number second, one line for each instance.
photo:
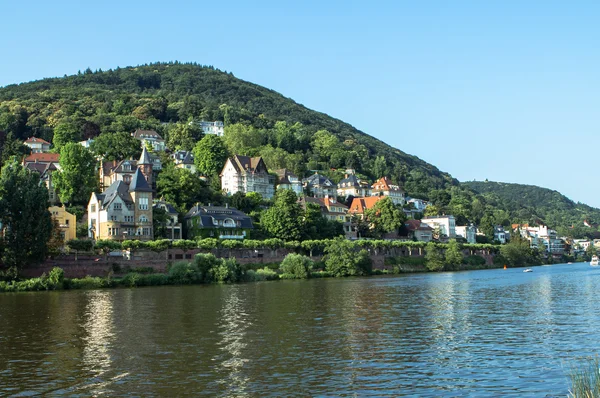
column 67, row 222
column 217, row 222
column 172, row 227
column 123, row 211
column 384, row 187
column 288, row 180
column 445, row 224
column 152, row 138
column 184, row 160
column 467, row 232
column 37, row 145
column 419, row 231
column 216, row 128
column 245, row 174
column 45, row 171
column 351, row 185
column 319, row 186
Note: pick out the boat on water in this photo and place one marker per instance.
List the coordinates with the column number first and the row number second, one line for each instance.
column 528, row 270
column 594, row 262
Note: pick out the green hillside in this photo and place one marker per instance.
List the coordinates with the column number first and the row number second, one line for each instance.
column 149, row 96
column 532, row 204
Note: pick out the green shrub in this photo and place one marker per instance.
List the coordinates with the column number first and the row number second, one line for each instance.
column 88, row 282
column 474, row 260
column 320, row 274
column 297, row 266
column 228, row 271
column 343, row 260
column 264, row 274
column 585, row 379
column 184, row 273
column 55, row 279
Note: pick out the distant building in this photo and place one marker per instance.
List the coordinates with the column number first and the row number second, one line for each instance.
column 45, row 171
column 67, row 222
column 330, row 208
column 384, row 187
column 184, row 160
column 37, row 145
column 44, row 158
column 467, row 232
column 125, row 169
column 216, row 128
column 418, row 230
column 319, row 186
column 351, row 185
column 288, row 180
column 150, row 137
column 359, row 206
column 245, row 174
column 172, row 227
column 418, row 204
column 87, row 143
column 217, row 222
column 500, row 234
column 445, row 224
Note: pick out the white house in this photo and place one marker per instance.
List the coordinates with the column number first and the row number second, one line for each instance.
column 384, row 187
column 216, row 128
column 467, row 232
column 246, row 174
column 288, row 180
column 151, row 137
column 37, row 145
column 351, row 185
column 445, row 224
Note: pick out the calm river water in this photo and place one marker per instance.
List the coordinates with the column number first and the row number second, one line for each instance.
column 479, row 333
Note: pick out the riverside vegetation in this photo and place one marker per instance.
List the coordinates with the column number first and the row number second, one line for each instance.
column 340, row 258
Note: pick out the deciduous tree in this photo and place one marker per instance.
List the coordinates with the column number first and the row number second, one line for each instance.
column 76, row 180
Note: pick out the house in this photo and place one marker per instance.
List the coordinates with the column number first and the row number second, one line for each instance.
column 45, row 171
column 67, row 222
column 217, row 222
column 123, row 211
column 384, row 187
column 87, row 143
column 445, row 225
column 184, row 160
column 37, row 145
column 216, row 128
column 125, row 170
column 45, row 158
column 467, row 232
column 359, row 206
column 288, row 180
column 418, row 204
column 330, row 208
column 542, row 235
column 421, row 232
column 319, row 186
column 245, row 174
column 172, row 226
column 351, row 185
column 151, row 137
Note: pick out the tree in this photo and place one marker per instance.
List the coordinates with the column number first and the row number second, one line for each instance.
column 431, row 211
column 116, row 146
column 210, row 155
column 434, row 261
column 243, row 140
column 183, row 136
column 76, row 180
column 518, row 252
column 454, row 255
column 159, row 222
column 181, row 188
column 297, row 266
column 343, row 260
column 24, row 214
column 12, row 147
column 380, row 168
column 65, row 133
column 385, row 216
column 283, row 219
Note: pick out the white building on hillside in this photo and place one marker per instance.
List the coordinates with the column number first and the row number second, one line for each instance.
column 216, row 128
column 446, row 225
column 246, row 174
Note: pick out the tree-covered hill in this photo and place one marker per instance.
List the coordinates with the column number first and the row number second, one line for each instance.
column 532, row 204
column 150, row 96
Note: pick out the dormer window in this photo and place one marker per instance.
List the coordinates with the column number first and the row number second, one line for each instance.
column 126, row 166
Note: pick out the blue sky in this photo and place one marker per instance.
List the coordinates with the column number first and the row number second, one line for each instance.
column 504, row 90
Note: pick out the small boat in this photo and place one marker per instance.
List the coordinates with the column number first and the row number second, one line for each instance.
column 594, row 262
column 527, row 270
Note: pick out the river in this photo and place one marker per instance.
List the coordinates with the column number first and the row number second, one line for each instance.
column 476, row 333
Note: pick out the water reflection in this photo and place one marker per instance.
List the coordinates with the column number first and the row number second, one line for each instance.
column 234, row 321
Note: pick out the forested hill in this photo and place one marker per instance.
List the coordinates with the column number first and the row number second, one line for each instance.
column 150, row 96
column 529, row 203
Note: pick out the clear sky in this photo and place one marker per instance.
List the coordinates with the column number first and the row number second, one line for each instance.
column 507, row 90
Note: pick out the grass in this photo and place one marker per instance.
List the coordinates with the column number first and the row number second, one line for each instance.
column 585, row 379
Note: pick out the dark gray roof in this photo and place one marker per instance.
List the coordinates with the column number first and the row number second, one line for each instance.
column 117, row 188
column 138, row 183
column 350, row 181
column 185, row 157
column 166, row 206
column 317, row 179
column 144, row 157
column 208, row 213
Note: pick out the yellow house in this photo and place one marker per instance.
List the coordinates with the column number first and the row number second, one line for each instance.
column 66, row 221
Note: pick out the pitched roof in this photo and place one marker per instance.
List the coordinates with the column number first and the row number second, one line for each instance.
column 42, row 158
column 138, row 183
column 166, row 206
column 385, row 184
column 36, row 140
column 208, row 213
column 414, row 225
column 41, row 168
column 117, row 188
column 248, row 165
column 359, row 205
column 284, row 176
column 140, row 134
column 350, row 181
column 144, row 157
column 183, row 157
column 317, row 179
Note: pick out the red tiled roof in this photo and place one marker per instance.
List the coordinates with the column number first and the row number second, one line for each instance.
column 43, row 158
column 385, row 184
column 359, row 205
column 414, row 225
column 32, row 140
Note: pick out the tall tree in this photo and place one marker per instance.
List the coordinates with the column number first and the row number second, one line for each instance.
column 210, row 155
column 11, row 147
column 183, row 136
column 76, row 180
column 116, row 146
column 181, row 188
column 26, row 221
column 454, row 255
column 283, row 220
column 65, row 133
column 385, row 216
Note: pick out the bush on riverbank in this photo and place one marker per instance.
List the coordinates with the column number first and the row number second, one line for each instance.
column 296, row 266
column 342, row 260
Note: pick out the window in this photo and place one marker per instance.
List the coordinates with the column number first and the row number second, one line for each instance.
column 117, row 206
column 113, row 218
column 143, row 218
column 93, row 208
column 67, row 221
column 146, row 231
column 143, row 204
